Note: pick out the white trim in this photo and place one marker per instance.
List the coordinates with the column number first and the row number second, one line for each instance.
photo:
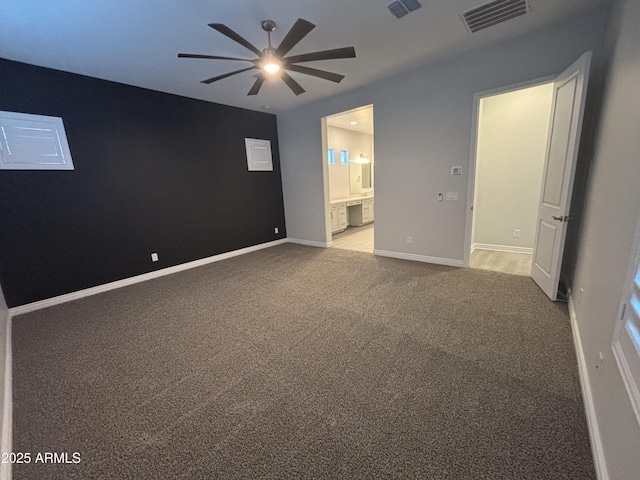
column 310, row 243
column 7, row 404
column 420, row 258
column 597, row 447
column 326, row 187
column 501, row 248
column 30, row 307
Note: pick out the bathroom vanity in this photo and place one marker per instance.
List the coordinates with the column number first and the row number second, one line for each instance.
column 355, row 210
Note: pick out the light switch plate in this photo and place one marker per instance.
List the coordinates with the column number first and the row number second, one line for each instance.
column 452, row 195
column 456, row 170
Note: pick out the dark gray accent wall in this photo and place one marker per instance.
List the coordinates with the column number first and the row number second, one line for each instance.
column 154, row 172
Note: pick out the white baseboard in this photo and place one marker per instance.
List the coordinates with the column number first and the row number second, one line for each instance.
column 310, row 243
column 30, row 307
column 6, row 434
column 501, row 248
column 420, row 258
column 592, row 422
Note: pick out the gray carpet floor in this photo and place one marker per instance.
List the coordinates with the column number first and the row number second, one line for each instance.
column 302, row 363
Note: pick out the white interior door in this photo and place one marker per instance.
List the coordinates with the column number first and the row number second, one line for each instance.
column 567, row 111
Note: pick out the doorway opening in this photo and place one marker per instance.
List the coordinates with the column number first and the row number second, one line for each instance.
column 511, row 143
column 349, row 155
column 564, row 126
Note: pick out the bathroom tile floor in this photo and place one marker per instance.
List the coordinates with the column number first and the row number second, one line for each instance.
column 360, row 240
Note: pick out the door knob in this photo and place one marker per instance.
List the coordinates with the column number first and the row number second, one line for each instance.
column 557, row 218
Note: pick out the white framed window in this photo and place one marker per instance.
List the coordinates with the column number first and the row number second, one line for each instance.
column 33, row 142
column 626, row 339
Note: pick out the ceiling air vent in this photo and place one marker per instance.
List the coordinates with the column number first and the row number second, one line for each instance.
column 493, row 13
column 401, row 7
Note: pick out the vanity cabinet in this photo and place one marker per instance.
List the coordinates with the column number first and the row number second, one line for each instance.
column 335, row 225
column 351, row 211
column 338, row 217
column 366, row 211
column 361, row 212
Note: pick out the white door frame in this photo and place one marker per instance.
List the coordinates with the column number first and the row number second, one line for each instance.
column 471, row 186
column 325, row 170
column 325, row 185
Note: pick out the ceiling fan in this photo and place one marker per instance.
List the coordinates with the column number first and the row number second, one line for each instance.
column 272, row 61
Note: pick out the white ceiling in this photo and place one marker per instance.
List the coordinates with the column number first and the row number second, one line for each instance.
column 136, row 42
column 359, row 119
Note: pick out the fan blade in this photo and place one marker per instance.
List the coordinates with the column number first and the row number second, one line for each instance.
column 299, row 30
column 220, row 77
column 223, row 29
column 212, row 57
column 334, row 77
column 256, row 86
column 291, row 83
column 346, row 52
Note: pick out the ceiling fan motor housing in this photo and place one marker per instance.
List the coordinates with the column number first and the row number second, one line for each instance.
column 268, row 25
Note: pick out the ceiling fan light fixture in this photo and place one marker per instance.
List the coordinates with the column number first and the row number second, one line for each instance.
column 271, row 67
column 270, row 62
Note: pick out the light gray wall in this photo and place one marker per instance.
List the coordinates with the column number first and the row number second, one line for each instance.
column 423, row 127
column 512, row 140
column 608, row 228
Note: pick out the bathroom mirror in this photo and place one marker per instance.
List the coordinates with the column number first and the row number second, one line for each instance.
column 367, row 179
column 360, row 177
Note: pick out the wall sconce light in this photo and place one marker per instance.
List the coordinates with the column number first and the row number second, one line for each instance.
column 362, row 159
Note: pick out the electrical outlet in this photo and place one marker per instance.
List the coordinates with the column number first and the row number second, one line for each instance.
column 516, row 233
column 599, row 362
column 409, row 240
column 154, row 257
column 452, row 196
column 276, row 230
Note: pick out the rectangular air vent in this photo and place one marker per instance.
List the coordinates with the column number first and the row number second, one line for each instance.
column 493, row 13
column 33, row 142
column 402, row 7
